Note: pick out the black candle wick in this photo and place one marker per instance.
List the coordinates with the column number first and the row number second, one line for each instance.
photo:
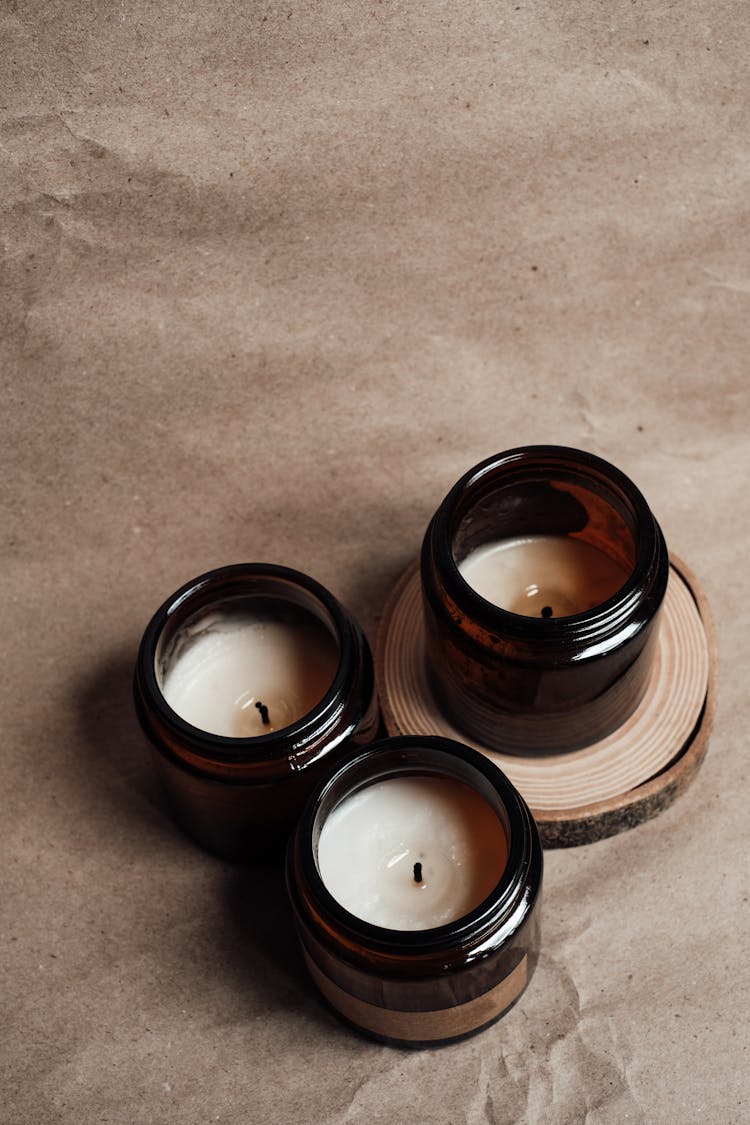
column 263, row 713
column 417, row 872
column 546, row 611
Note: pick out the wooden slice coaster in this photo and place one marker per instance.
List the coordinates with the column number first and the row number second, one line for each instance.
column 616, row 782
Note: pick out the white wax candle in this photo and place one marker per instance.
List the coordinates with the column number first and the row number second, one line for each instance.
column 243, row 675
column 543, row 575
column 411, row 853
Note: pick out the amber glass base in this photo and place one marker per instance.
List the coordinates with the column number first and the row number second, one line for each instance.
column 432, row 986
column 240, row 797
column 527, row 685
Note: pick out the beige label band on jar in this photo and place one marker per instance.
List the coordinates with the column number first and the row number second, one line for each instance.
column 443, row 1023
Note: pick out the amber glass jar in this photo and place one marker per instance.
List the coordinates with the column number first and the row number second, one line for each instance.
column 533, row 682
column 240, row 796
column 420, row 987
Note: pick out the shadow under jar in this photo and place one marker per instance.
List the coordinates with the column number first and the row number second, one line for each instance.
column 415, row 878
column 250, row 681
column 543, row 571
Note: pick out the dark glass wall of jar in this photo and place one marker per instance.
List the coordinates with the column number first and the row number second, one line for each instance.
column 528, row 685
column 420, row 988
column 240, row 797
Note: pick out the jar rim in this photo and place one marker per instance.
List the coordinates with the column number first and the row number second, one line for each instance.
column 595, row 624
column 267, row 580
column 400, row 756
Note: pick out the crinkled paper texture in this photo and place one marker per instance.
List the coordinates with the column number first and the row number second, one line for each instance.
column 272, row 279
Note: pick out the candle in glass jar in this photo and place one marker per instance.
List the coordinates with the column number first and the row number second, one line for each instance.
column 543, row 575
column 412, row 852
column 243, row 674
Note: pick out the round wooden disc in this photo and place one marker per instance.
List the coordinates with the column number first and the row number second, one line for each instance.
column 616, row 782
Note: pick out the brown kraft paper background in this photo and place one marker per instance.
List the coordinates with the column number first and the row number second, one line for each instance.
column 272, row 278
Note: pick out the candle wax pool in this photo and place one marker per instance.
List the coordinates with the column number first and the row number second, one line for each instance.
column 411, row 853
column 543, row 575
column 243, row 675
